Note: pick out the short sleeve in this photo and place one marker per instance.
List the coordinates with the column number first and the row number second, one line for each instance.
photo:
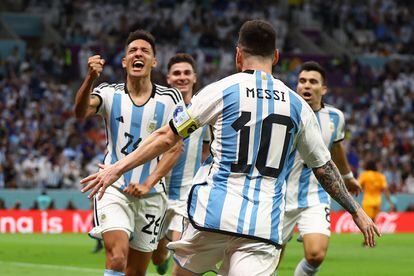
column 310, row 144
column 101, row 91
column 340, row 128
column 204, row 109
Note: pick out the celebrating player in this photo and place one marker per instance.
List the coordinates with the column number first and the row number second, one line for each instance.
column 236, row 205
column 307, row 203
column 181, row 75
column 129, row 225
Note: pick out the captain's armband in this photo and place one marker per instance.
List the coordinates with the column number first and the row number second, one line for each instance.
column 182, row 123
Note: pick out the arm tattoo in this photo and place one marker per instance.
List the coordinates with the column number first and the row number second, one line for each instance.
column 331, row 180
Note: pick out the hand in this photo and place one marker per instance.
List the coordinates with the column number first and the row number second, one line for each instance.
column 353, row 186
column 136, row 189
column 95, row 66
column 367, row 227
column 101, row 180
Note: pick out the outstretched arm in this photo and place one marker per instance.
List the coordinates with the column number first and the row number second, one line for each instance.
column 339, row 158
column 157, row 143
column 166, row 163
column 85, row 103
column 331, row 180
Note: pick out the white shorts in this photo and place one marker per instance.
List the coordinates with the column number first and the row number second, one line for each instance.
column 141, row 218
column 314, row 219
column 174, row 218
column 202, row 251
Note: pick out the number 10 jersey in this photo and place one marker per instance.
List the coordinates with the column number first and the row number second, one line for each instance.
column 128, row 124
column 257, row 122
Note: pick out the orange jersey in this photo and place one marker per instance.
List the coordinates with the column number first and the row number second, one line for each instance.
column 373, row 183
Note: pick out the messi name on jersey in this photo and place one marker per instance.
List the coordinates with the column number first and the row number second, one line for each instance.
column 265, row 94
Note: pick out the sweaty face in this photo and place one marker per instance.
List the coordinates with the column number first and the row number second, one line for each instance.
column 181, row 75
column 139, row 58
column 311, row 88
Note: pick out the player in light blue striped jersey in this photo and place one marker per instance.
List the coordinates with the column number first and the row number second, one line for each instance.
column 307, row 203
column 181, row 75
column 132, row 110
column 237, row 203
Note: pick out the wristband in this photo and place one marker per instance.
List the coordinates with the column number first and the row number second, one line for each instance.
column 347, row 176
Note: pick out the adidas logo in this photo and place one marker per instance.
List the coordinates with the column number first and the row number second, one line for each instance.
column 153, row 240
column 120, row 119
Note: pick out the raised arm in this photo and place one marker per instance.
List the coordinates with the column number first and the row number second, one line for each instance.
column 85, row 103
column 339, row 158
column 331, row 180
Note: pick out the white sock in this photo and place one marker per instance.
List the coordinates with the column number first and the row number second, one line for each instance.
column 305, row 269
column 109, row 272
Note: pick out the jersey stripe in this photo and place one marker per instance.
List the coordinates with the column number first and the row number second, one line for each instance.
column 115, row 113
column 216, row 198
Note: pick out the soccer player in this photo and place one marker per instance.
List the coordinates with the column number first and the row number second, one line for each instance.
column 373, row 184
column 236, row 205
column 132, row 110
column 307, row 203
column 181, row 75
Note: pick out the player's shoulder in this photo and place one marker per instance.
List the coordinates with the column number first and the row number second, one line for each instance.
column 109, row 88
column 167, row 93
column 332, row 109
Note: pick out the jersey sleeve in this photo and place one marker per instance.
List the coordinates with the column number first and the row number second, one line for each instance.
column 102, row 92
column 170, row 108
column 310, row 144
column 340, row 128
column 204, row 109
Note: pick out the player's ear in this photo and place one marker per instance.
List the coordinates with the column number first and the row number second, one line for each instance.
column 123, row 62
column 275, row 57
column 195, row 78
column 154, row 62
column 168, row 79
column 239, row 59
column 324, row 89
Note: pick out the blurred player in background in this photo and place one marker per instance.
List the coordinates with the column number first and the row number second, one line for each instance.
column 181, row 75
column 236, row 205
column 129, row 225
column 307, row 203
column 373, row 185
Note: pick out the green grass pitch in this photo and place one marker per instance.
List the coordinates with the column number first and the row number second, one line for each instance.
column 70, row 254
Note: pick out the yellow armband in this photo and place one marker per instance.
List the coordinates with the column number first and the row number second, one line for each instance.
column 182, row 121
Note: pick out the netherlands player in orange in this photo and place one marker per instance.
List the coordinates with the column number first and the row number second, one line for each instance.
column 373, row 184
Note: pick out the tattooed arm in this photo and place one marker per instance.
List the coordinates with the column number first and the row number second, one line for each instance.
column 331, row 180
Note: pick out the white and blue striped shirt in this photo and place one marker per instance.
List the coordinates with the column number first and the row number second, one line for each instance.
column 257, row 122
column 180, row 179
column 303, row 189
column 128, row 124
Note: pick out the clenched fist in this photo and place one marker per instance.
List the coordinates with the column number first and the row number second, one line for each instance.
column 95, row 66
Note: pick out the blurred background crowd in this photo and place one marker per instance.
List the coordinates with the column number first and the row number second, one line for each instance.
column 366, row 47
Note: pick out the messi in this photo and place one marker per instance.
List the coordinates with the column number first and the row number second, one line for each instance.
column 265, row 94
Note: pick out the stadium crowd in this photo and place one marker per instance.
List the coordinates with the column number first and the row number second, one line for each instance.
column 43, row 146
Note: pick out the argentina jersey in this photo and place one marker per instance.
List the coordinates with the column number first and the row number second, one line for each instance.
column 128, row 124
column 180, row 179
column 256, row 122
column 303, row 189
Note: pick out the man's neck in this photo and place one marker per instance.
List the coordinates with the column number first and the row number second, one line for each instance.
column 139, row 87
column 187, row 97
column 254, row 64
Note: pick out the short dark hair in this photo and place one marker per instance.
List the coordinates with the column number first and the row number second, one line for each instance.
column 181, row 57
column 141, row 34
column 257, row 38
column 371, row 165
column 314, row 66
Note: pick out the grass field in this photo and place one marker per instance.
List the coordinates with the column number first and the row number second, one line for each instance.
column 70, row 254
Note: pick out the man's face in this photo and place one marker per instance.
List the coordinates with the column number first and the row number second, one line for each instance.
column 311, row 88
column 182, row 76
column 139, row 58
